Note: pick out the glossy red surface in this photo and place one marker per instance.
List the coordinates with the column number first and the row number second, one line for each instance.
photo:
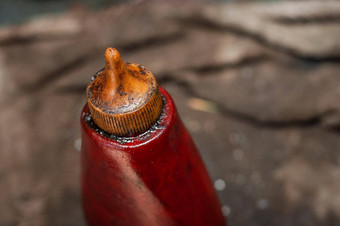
column 155, row 179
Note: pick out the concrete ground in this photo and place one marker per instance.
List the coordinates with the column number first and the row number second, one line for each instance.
column 256, row 84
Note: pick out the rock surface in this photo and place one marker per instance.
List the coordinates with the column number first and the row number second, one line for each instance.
column 255, row 83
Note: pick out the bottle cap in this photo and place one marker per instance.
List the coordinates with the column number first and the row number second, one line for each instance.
column 124, row 98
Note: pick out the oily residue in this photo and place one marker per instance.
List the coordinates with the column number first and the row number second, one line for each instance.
column 159, row 124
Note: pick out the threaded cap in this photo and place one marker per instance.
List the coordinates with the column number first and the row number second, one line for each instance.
column 124, row 98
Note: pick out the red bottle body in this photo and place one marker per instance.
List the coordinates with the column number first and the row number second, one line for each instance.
column 156, row 178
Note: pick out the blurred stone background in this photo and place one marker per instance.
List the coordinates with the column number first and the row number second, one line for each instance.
column 256, row 83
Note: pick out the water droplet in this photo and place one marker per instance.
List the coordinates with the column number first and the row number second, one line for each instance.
column 88, row 118
column 237, row 138
column 262, row 203
column 193, row 125
column 219, row 185
column 77, row 144
column 226, row 211
column 238, row 154
column 240, row 179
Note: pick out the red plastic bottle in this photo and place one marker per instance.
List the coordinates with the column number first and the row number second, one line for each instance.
column 155, row 177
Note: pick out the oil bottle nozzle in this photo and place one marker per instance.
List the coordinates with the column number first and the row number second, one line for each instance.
column 124, row 98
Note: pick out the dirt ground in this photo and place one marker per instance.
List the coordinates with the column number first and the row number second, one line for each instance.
column 256, row 84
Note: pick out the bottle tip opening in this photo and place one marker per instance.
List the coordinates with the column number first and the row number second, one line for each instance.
column 112, row 58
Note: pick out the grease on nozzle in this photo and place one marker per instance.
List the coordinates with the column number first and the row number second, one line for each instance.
column 123, row 99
